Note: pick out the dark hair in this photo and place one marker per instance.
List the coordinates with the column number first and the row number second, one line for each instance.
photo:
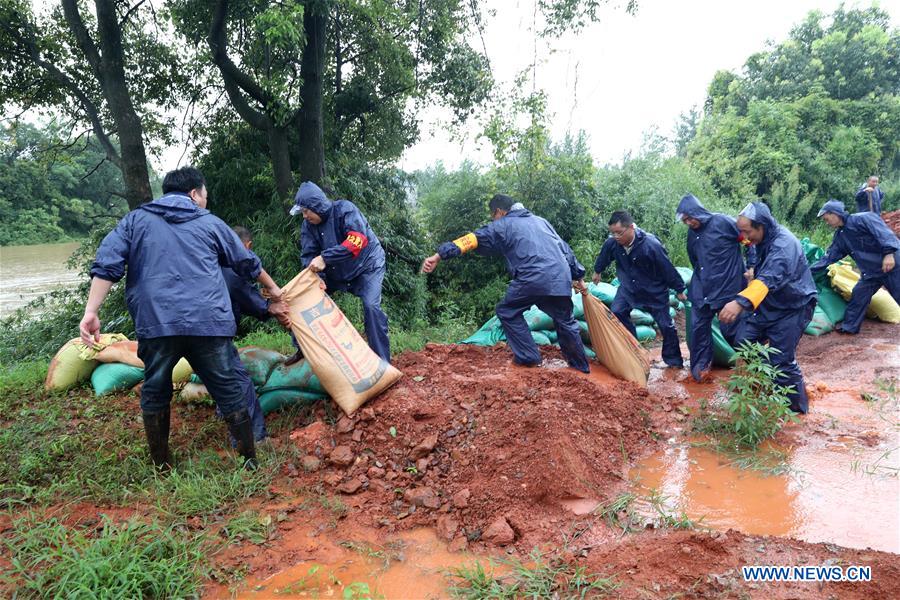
column 500, row 202
column 183, row 180
column 243, row 233
column 622, row 217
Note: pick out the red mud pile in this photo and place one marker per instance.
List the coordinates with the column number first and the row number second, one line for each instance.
column 893, row 220
column 477, row 447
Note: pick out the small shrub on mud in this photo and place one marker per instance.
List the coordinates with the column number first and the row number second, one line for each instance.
column 131, row 560
column 758, row 407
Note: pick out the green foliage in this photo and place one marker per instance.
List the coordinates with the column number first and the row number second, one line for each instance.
column 129, row 560
column 542, row 576
column 758, row 407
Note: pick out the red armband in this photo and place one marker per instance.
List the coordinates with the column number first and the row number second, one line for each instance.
column 355, row 242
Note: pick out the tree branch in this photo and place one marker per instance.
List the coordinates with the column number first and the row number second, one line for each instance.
column 128, row 14
column 83, row 38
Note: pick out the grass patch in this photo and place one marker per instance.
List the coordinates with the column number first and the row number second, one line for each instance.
column 131, row 560
column 666, row 519
column 539, row 577
column 21, row 378
column 619, row 513
column 249, row 525
column 446, row 332
column 274, row 339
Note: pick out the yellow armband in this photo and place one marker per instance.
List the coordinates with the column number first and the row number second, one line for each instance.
column 466, row 243
column 755, row 292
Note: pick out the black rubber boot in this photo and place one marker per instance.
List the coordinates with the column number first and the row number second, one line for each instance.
column 241, row 430
column 156, row 426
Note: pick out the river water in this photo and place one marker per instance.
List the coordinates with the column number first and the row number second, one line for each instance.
column 26, row 272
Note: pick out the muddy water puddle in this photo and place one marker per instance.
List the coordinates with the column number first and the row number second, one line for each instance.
column 413, row 564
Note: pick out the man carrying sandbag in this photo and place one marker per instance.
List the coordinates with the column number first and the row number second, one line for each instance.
column 873, row 246
column 780, row 300
column 174, row 250
column 246, row 300
column 714, row 249
column 544, row 270
column 337, row 242
column 645, row 277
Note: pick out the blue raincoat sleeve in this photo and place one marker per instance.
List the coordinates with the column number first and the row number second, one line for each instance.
column 112, row 255
column 309, row 244
column 836, row 251
column 245, row 298
column 750, row 256
column 353, row 228
column 488, row 243
column 672, row 276
column 576, row 268
column 884, row 236
column 606, row 257
column 233, row 254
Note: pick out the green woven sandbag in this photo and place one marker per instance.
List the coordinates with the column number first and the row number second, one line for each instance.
column 831, row 303
column 604, row 292
column 639, row 317
column 298, row 376
column 113, row 377
column 820, row 323
column 585, row 333
column 577, row 305
column 540, row 338
column 276, row 399
column 686, row 274
column 672, row 312
column 259, row 363
column 537, row 319
column 723, row 353
column 489, row 334
column 645, row 333
column 552, row 336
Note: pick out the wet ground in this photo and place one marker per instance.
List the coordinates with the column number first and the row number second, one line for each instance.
column 835, row 480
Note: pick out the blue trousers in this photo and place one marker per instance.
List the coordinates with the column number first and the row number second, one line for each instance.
column 214, row 360
column 510, row 311
column 862, row 295
column 368, row 288
column 701, row 343
column 251, row 402
column 671, row 350
column 783, row 332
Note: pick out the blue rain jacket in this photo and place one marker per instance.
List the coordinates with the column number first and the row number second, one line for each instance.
column 782, row 267
column 715, row 253
column 175, row 251
column 862, row 200
column 865, row 237
column 646, row 274
column 343, row 238
column 538, row 260
column 245, row 297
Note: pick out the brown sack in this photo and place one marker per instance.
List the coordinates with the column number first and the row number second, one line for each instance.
column 342, row 360
column 616, row 348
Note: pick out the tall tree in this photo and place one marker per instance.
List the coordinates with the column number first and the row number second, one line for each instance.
column 107, row 69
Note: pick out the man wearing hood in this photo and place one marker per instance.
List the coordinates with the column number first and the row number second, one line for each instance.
column 175, row 250
column 645, row 277
column 869, row 197
column 714, row 249
column 865, row 237
column 544, row 270
column 780, row 300
column 337, row 242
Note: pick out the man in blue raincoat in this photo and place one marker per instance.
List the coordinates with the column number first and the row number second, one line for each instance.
column 869, row 197
column 714, row 249
column 175, row 250
column 645, row 277
column 337, row 242
column 780, row 300
column 544, row 270
column 876, row 250
column 246, row 300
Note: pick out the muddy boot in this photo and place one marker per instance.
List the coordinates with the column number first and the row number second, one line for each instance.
column 156, row 426
column 294, row 358
column 241, row 430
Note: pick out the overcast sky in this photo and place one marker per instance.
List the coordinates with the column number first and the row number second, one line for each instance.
column 619, row 77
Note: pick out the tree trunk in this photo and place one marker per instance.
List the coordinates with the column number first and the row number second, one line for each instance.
column 312, row 72
column 281, row 160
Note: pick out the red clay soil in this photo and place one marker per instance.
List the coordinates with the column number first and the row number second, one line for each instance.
column 479, row 448
column 688, row 564
column 893, row 220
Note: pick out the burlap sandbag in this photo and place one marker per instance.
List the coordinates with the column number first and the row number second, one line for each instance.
column 616, row 348
column 342, row 360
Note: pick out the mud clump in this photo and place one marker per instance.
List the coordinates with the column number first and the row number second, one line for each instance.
column 480, row 449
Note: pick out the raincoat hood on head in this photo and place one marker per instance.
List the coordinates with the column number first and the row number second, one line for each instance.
column 835, row 207
column 312, row 197
column 691, row 207
column 175, row 207
column 759, row 212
